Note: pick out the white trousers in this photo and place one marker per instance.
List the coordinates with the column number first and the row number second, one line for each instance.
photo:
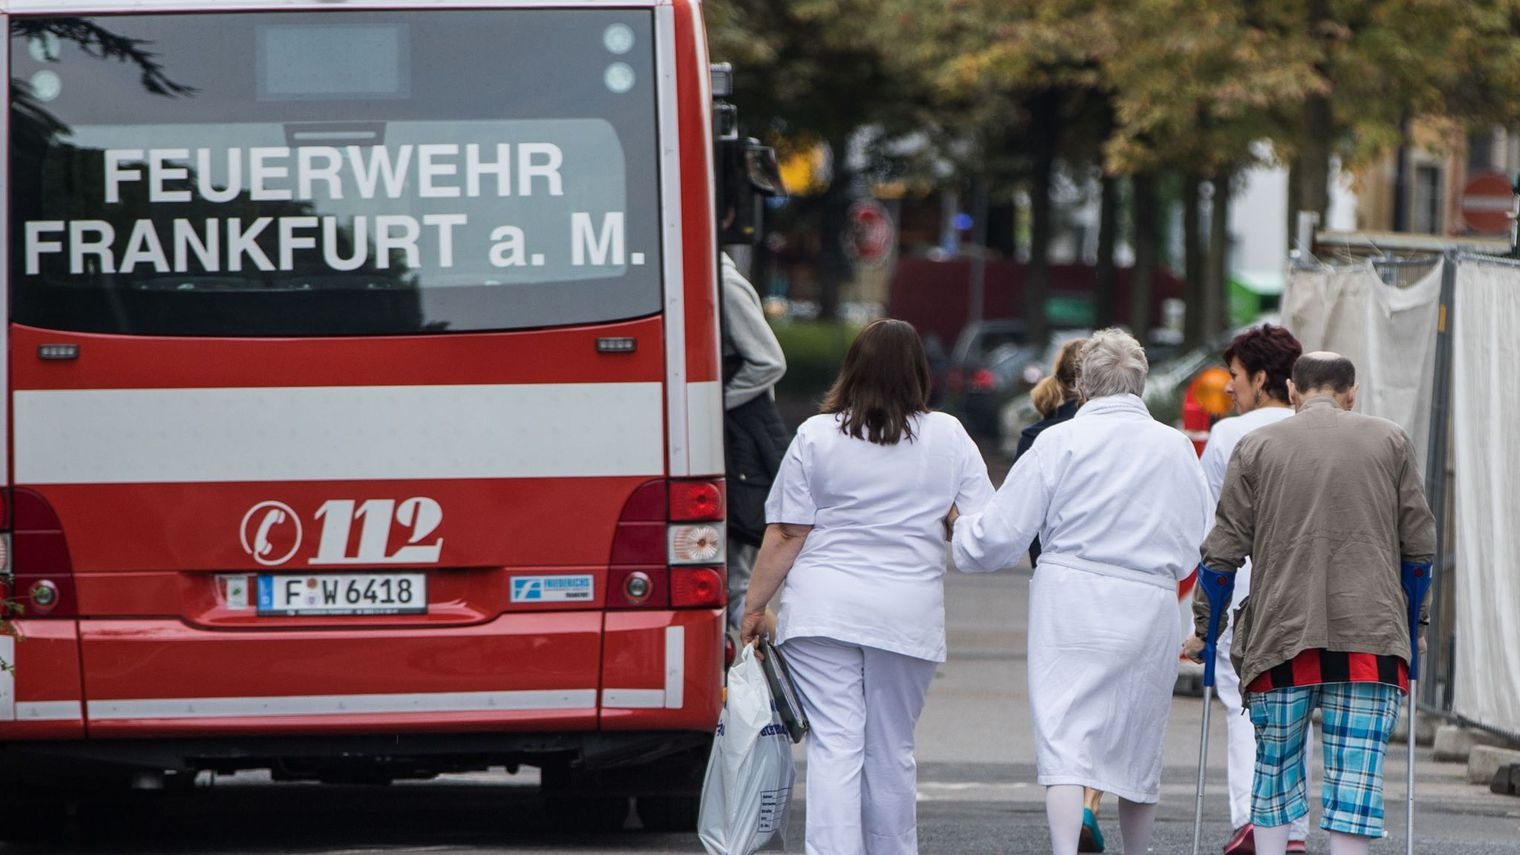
column 862, row 781
column 1240, row 761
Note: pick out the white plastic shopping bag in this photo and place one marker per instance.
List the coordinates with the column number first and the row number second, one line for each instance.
column 750, row 773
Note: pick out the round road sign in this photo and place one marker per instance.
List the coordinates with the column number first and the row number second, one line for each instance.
column 1486, row 202
column 870, row 233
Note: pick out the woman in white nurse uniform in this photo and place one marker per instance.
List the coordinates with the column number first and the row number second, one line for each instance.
column 1120, row 505
column 855, row 542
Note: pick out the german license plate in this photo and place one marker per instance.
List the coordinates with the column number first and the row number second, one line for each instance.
column 343, row 594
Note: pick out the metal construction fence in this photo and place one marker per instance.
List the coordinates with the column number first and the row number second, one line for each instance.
column 1435, row 336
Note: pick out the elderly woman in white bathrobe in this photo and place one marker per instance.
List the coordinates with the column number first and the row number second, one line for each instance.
column 1120, row 504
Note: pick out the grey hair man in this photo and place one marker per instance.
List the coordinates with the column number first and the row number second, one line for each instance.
column 1328, row 505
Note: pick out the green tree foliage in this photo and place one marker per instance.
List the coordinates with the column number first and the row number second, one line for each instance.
column 810, row 72
column 1141, row 87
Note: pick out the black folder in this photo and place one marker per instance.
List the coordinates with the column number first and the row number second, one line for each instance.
column 783, row 690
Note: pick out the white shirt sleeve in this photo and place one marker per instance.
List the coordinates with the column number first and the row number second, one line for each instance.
column 996, row 537
column 1215, row 460
column 975, row 488
column 791, row 499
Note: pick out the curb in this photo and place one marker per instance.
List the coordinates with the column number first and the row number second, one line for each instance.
column 1487, row 762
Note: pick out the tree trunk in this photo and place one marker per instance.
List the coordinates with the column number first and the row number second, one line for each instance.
column 1294, row 207
column 1045, row 118
column 1194, row 277
column 1316, row 124
column 1314, row 159
column 1401, row 179
column 1144, row 216
column 834, row 266
column 1105, row 308
column 1002, row 218
column 1216, row 305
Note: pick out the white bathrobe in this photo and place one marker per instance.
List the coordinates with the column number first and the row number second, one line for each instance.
column 1120, row 504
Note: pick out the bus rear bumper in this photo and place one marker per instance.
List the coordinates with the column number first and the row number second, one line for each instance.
column 560, row 672
column 359, row 757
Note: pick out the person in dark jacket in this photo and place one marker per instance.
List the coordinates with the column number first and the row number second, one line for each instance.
column 754, row 436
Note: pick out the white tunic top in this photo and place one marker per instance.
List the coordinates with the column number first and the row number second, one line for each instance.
column 871, row 571
column 1112, row 491
column 1223, row 438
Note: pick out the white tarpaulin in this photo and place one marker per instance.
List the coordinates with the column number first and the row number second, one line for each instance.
column 1486, row 409
column 1388, row 332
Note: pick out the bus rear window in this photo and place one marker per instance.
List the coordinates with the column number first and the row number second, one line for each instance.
column 333, row 173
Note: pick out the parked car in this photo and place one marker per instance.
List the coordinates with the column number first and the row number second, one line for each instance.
column 1008, row 371
column 977, row 374
column 1045, row 360
column 976, row 342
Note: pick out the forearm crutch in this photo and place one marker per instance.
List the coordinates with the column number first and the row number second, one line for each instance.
column 1416, row 579
column 1217, row 588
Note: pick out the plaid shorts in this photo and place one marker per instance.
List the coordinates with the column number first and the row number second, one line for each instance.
column 1357, row 719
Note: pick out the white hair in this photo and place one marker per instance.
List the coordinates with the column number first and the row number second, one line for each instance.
column 1113, row 363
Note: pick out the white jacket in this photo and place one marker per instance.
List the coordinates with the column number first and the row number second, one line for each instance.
column 1111, row 491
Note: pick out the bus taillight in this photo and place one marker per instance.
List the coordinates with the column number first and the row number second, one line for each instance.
column 696, row 501
column 669, row 548
column 697, row 587
column 699, row 543
column 41, row 572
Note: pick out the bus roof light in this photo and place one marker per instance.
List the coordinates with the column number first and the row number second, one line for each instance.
column 722, row 80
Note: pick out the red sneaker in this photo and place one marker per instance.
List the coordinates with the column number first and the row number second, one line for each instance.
column 1297, row 846
column 1242, row 842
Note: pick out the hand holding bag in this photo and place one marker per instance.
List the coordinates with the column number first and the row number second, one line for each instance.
column 748, row 787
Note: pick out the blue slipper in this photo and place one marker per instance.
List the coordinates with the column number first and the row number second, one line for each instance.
column 1092, row 836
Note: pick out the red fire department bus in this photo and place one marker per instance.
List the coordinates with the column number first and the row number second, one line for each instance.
column 364, row 406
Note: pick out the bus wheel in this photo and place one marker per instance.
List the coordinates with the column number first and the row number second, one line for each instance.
column 588, row 813
column 669, row 813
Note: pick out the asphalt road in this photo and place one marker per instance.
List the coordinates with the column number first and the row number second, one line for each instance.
column 976, row 785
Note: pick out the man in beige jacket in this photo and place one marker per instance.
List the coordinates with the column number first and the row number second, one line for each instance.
column 1328, row 505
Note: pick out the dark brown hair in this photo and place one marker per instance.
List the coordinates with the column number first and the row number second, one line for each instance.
column 884, row 381
column 1268, row 348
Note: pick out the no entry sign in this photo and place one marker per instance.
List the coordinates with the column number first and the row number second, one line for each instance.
column 1486, row 202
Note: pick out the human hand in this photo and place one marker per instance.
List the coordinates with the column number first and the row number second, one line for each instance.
column 755, row 624
column 950, row 518
column 1193, row 647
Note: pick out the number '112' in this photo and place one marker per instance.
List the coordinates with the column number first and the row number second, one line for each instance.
column 419, row 515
